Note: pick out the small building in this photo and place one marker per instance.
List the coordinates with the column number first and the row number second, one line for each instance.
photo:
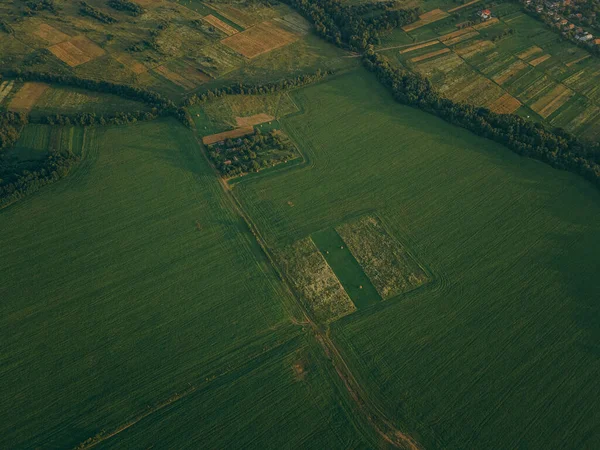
column 570, row 27
column 597, row 41
column 485, row 14
column 563, row 22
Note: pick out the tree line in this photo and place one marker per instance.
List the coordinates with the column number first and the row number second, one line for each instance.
column 127, row 6
column 11, row 125
column 258, row 89
column 86, row 9
column 57, row 165
column 353, row 27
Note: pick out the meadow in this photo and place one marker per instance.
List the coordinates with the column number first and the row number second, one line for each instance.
column 134, row 297
column 500, row 349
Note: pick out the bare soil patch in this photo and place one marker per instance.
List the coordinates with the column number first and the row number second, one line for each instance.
column 77, row 51
column 50, row 34
column 259, row 39
column 27, row 96
column 232, row 134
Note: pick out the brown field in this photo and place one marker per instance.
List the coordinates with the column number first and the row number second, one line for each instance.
column 133, row 65
column 539, row 60
column 76, row 51
column 253, row 120
column 569, row 64
column 220, row 25
column 417, row 47
column 430, row 55
column 50, row 34
column 446, row 37
column 235, row 15
column 445, row 64
column 474, row 48
column 232, row 134
column 506, row 104
column 462, row 37
column 529, row 52
column 27, row 96
column 510, row 72
column 259, row 39
column 463, row 6
column 553, row 100
column 427, row 18
column 174, row 77
column 487, row 23
column 5, row 88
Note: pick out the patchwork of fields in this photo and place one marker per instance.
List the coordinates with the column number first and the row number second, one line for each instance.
column 510, row 64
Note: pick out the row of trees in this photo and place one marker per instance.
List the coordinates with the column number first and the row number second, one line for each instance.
column 127, row 6
column 86, row 119
column 56, row 166
column 257, row 89
column 353, row 27
column 555, row 147
column 86, row 9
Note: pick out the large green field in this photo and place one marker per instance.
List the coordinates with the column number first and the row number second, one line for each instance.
column 132, row 293
column 500, row 350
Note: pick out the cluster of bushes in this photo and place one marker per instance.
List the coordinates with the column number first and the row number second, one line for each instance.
column 251, row 153
column 353, row 27
column 5, row 27
column 126, row 5
column 555, row 147
column 56, row 166
column 32, row 7
column 257, row 89
column 11, row 125
column 88, row 10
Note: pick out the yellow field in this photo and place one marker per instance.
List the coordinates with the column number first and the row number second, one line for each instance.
column 462, row 37
column 253, row 120
column 474, row 48
column 487, row 23
column 238, row 132
column 427, row 18
column 569, row 64
column 174, row 77
column 506, row 104
column 220, row 25
column 539, row 60
column 553, row 100
column 76, row 51
column 417, row 47
column 464, row 5
column 27, row 96
column 430, row 55
column 50, row 34
column 529, row 52
column 454, row 34
column 259, row 39
column 510, row 72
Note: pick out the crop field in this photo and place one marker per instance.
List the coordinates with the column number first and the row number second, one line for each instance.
column 50, row 34
column 259, row 39
column 27, row 96
column 220, row 25
column 5, row 89
column 500, row 347
column 232, row 134
column 76, row 51
column 425, row 19
column 158, row 306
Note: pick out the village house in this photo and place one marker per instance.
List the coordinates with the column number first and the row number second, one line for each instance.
column 485, row 14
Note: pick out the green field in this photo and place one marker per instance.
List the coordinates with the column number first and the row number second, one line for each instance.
column 500, row 350
column 132, row 292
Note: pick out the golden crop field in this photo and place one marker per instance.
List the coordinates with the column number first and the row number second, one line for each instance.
column 220, row 25
column 218, row 137
column 77, row 51
column 427, row 18
column 259, row 39
column 27, row 96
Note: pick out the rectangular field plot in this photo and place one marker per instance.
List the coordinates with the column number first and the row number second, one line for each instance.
column 5, row 89
column 347, row 269
column 27, row 97
column 313, row 278
column 427, row 18
column 389, row 266
column 76, row 51
column 259, row 39
column 50, row 34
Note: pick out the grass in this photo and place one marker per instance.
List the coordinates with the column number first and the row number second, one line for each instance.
column 132, row 282
column 347, row 269
column 501, row 349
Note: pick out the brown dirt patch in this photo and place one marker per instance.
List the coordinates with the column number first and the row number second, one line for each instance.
column 454, row 34
column 506, row 104
column 417, row 47
column 50, row 34
column 238, row 132
column 538, row 61
column 259, row 39
column 76, row 51
column 220, row 25
column 27, row 96
column 487, row 23
column 529, row 52
column 427, row 18
column 253, row 120
column 569, row 64
column 430, row 55
column 463, row 6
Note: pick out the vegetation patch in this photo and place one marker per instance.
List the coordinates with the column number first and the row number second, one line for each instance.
column 313, row 278
column 474, row 48
column 539, row 60
column 26, row 97
column 239, row 156
column 553, row 100
column 389, row 266
column 50, row 34
column 5, row 89
column 232, row 134
column 255, row 119
column 260, row 39
column 510, row 72
column 425, row 19
column 529, row 52
column 430, row 55
column 417, row 47
column 220, row 25
column 506, row 104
